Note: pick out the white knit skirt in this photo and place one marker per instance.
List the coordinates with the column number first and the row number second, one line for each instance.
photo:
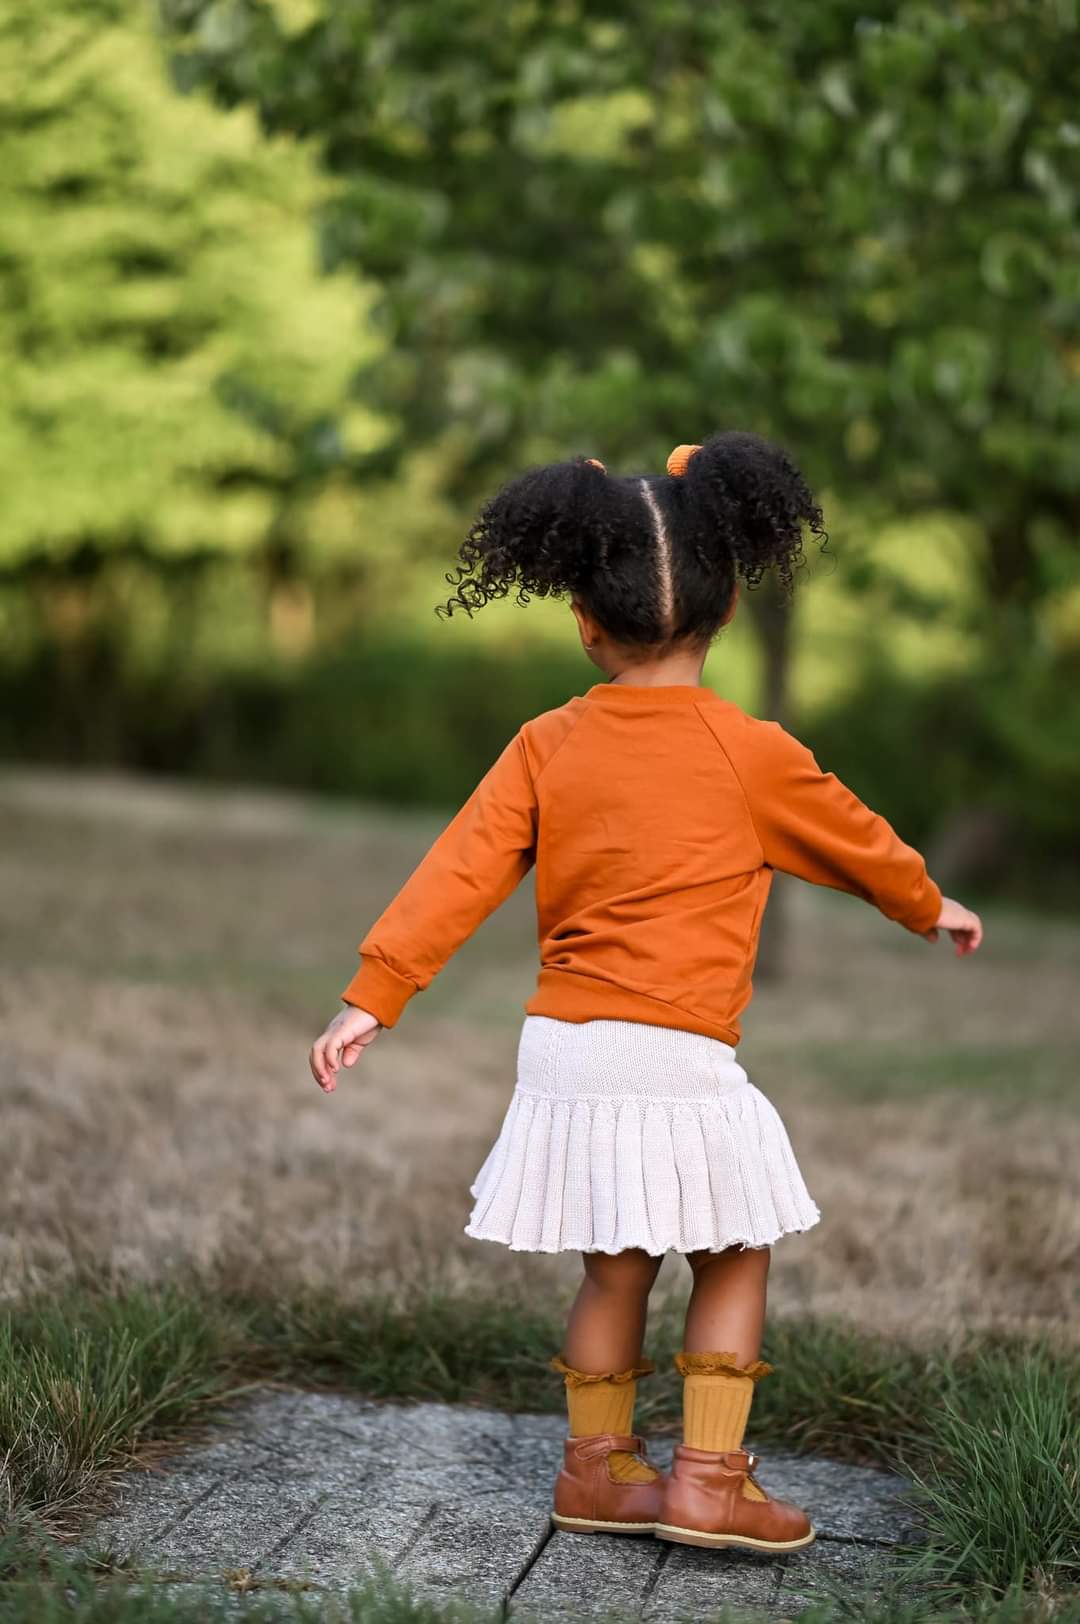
column 621, row 1134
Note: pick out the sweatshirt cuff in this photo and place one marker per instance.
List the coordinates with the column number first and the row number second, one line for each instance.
column 379, row 990
column 926, row 911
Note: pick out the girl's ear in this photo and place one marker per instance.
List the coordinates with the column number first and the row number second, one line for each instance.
column 587, row 626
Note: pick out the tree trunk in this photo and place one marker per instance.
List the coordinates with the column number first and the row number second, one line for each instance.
column 772, row 616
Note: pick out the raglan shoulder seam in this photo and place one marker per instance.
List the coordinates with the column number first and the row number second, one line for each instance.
column 574, row 725
column 726, row 753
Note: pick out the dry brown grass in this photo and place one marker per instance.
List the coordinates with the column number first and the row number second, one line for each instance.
column 167, row 956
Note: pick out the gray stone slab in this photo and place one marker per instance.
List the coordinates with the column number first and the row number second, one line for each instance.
column 146, row 1505
column 349, row 1540
column 697, row 1584
column 588, row 1576
column 421, row 1452
column 276, row 1432
column 827, row 1566
column 245, row 1521
column 249, row 1424
column 325, row 1489
column 480, row 1547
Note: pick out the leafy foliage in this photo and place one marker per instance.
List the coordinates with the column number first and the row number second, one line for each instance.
column 150, row 249
column 853, row 226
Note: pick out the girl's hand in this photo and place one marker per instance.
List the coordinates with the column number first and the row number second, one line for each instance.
column 963, row 926
column 345, row 1039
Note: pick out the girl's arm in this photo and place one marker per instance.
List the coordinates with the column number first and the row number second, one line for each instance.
column 474, row 865
column 810, row 824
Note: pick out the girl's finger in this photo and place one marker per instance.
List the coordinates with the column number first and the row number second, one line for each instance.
column 322, row 1062
column 327, row 1081
column 351, row 1053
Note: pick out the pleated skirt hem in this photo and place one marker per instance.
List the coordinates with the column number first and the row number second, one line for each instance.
column 653, row 1248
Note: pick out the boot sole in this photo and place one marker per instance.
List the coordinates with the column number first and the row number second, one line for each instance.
column 694, row 1536
column 586, row 1525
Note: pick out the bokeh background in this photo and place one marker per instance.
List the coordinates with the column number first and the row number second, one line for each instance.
column 287, row 288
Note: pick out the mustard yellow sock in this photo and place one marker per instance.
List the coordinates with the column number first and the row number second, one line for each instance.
column 717, row 1394
column 605, row 1403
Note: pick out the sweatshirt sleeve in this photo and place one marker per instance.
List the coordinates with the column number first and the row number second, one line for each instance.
column 474, row 865
column 811, row 825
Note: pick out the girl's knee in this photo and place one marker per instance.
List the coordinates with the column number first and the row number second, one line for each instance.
column 621, row 1271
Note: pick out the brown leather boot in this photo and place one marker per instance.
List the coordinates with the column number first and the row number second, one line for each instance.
column 703, row 1504
column 588, row 1500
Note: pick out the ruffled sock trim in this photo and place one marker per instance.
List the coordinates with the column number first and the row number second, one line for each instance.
column 719, row 1364
column 586, row 1378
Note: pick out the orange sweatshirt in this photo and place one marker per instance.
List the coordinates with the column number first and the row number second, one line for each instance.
column 655, row 818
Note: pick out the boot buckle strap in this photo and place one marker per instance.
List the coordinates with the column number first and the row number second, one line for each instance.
column 607, row 1443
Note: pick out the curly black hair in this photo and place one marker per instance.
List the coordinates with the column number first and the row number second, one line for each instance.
column 653, row 558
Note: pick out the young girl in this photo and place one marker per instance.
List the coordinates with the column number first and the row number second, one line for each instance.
column 654, row 813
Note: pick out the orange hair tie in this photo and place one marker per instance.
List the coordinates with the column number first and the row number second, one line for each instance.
column 594, row 462
column 676, row 463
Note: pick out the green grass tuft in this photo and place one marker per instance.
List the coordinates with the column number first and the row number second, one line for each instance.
column 858, row 1606
column 85, row 1380
column 433, row 1344
column 64, row 1593
column 1000, row 1490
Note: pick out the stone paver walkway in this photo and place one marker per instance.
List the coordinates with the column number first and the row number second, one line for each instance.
column 328, row 1489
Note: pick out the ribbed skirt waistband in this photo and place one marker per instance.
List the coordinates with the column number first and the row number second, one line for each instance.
column 613, row 1060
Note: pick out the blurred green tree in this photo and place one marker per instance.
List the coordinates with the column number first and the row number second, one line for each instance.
column 173, row 359
column 611, row 227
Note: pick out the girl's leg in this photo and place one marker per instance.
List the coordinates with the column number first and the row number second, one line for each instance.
column 724, row 1323
column 727, row 1302
column 601, row 1358
column 606, row 1329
